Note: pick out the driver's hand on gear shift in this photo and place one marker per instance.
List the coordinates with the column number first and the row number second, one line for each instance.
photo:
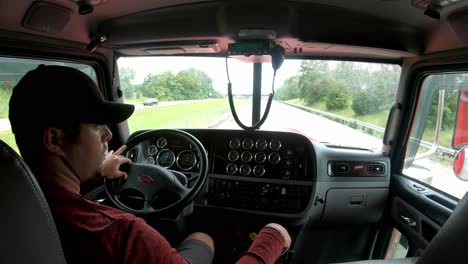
column 112, row 162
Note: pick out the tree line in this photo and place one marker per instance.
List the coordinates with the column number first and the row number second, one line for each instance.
column 167, row 86
column 367, row 88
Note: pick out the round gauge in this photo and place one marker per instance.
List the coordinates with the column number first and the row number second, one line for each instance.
column 260, row 157
column 162, row 142
column 246, row 156
column 165, row 158
column 152, row 150
column 259, row 170
column 233, row 155
column 231, row 168
column 274, row 157
column 244, row 169
column 186, row 160
column 261, row 144
column 275, row 144
column 234, row 143
column 149, row 160
column 247, row 143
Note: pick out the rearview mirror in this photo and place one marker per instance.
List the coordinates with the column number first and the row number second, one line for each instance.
column 460, row 134
column 460, row 164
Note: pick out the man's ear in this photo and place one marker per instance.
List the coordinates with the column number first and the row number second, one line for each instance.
column 53, row 140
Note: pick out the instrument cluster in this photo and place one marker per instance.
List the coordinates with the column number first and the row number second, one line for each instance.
column 165, row 152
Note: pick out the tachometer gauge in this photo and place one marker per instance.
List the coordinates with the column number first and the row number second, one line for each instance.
column 161, row 143
column 186, row 160
column 165, row 158
column 152, row 150
column 149, row 160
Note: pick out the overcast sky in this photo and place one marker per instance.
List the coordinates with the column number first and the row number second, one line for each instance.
column 240, row 72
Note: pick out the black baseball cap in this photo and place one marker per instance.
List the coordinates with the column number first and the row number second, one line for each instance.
column 56, row 95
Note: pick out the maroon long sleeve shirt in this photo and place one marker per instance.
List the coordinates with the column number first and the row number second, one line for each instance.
column 94, row 233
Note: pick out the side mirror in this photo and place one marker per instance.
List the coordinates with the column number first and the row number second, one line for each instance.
column 460, row 133
column 460, row 164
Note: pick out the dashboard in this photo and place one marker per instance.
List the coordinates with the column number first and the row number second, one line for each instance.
column 279, row 174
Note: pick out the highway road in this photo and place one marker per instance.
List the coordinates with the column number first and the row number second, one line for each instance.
column 287, row 118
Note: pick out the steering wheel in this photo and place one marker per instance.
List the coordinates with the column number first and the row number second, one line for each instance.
column 150, row 183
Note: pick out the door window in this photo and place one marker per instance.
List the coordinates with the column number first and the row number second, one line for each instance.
column 438, row 132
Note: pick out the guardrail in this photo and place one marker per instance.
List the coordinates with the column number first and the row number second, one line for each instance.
column 366, row 127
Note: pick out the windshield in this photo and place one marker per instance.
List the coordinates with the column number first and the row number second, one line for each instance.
column 337, row 102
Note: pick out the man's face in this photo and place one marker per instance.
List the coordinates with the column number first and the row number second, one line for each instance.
column 87, row 152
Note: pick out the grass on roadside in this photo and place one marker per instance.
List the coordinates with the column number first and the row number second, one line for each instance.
column 378, row 119
column 191, row 115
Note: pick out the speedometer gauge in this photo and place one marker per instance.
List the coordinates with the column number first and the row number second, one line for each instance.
column 165, row 158
column 186, row 160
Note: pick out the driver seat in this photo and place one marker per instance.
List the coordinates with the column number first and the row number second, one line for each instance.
column 28, row 233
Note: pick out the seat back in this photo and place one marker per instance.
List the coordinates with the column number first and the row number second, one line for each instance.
column 27, row 229
column 449, row 245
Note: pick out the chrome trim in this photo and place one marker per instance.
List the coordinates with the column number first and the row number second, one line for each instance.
column 150, row 152
column 237, row 142
column 178, row 157
column 258, row 143
column 261, row 167
column 272, row 142
column 235, row 167
column 248, row 141
column 245, row 165
column 162, row 151
column 274, row 153
column 264, row 157
column 229, row 155
column 244, row 154
column 161, row 143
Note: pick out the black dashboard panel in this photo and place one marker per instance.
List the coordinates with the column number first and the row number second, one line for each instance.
column 269, row 155
column 282, row 174
column 285, row 183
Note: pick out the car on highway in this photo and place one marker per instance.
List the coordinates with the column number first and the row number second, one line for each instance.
column 150, row 102
column 344, row 121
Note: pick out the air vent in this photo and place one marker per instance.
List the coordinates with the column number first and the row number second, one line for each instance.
column 340, row 168
column 376, row 169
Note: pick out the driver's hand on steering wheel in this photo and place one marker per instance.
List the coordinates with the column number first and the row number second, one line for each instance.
column 112, row 162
